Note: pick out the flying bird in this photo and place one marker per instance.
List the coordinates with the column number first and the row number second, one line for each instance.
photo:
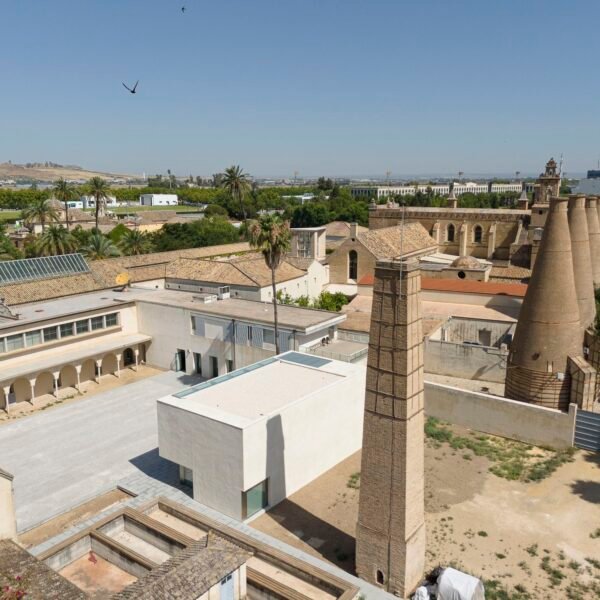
column 130, row 89
column 183, row 9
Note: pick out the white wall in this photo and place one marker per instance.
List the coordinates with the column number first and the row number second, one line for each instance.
column 213, row 450
column 306, row 438
column 8, row 523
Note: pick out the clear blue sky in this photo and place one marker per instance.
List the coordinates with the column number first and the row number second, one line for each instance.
column 332, row 87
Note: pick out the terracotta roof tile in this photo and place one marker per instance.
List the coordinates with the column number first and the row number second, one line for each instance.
column 391, row 242
column 474, row 287
column 38, row 580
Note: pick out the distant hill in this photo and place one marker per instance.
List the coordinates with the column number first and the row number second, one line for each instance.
column 49, row 171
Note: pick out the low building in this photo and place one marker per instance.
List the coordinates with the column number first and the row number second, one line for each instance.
column 447, row 266
column 248, row 440
column 337, row 232
column 90, row 328
column 159, row 200
column 356, row 256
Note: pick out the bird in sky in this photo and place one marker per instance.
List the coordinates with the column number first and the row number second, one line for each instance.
column 131, row 90
column 183, row 9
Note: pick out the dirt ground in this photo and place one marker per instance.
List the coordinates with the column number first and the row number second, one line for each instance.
column 68, row 395
column 534, row 539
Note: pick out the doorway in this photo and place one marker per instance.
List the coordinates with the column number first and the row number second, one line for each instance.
column 198, row 363
column 214, row 366
column 180, row 360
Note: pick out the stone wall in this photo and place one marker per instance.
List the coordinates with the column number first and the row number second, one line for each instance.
column 500, row 416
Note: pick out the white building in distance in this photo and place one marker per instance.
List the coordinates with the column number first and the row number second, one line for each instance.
column 159, row 200
column 250, row 439
column 443, row 189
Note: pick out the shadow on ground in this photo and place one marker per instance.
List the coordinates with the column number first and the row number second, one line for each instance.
column 587, row 490
column 333, row 544
column 161, row 469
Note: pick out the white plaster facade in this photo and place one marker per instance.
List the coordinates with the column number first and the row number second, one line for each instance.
column 272, row 423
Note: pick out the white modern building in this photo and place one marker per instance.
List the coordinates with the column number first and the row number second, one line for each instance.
column 250, row 439
column 443, row 189
column 90, row 202
column 159, row 200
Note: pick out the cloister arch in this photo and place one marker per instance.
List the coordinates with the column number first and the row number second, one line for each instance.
column 22, row 390
column 109, row 364
column 44, row 384
column 68, row 376
column 88, row 371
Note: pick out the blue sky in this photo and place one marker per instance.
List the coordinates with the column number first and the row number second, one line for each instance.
column 332, row 87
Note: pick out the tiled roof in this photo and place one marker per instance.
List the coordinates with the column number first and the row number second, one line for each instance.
column 474, row 287
column 340, row 229
column 391, row 242
column 190, row 573
column 39, row 581
column 511, row 273
column 144, row 267
column 300, row 263
column 250, row 271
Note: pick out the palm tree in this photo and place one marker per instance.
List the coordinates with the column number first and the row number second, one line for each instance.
column 99, row 247
column 54, row 241
column 271, row 235
column 98, row 188
column 41, row 211
column 237, row 183
column 65, row 192
column 135, row 241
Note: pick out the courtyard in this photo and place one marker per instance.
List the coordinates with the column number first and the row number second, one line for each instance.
column 62, row 457
column 537, row 539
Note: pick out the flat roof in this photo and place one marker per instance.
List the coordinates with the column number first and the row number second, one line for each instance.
column 255, row 392
column 62, row 307
column 290, row 317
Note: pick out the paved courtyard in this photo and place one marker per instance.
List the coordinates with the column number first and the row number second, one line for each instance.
column 65, row 456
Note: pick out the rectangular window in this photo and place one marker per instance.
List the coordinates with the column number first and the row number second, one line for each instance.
column 97, row 323
column 255, row 499
column 14, row 342
column 229, row 365
column 83, row 326
column 2, row 348
column 33, row 338
column 269, row 336
column 112, row 320
column 50, row 334
column 66, row 330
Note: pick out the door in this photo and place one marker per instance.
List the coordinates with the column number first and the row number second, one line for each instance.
column 227, row 588
column 180, row 360
column 214, row 366
column 198, row 363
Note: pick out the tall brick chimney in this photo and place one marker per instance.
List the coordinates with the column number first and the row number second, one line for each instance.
column 549, row 329
column 582, row 260
column 390, row 537
column 591, row 211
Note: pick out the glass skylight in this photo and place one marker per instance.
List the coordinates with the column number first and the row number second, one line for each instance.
column 45, row 267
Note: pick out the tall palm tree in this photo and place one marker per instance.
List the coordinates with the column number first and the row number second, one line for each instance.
column 99, row 189
column 65, row 192
column 135, row 242
column 99, row 247
column 271, row 235
column 54, row 241
column 41, row 211
column 238, row 184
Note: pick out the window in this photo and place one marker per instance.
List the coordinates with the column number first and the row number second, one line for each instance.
column 33, row 338
column 112, row 320
column 186, row 476
column 82, row 326
column 477, row 234
column 50, row 334
column 255, row 499
column 14, row 342
column 380, row 578
column 352, row 265
column 229, row 365
column 269, row 336
column 97, row 323
column 450, row 233
column 66, row 330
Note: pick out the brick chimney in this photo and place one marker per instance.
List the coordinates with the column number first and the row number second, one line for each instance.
column 591, row 212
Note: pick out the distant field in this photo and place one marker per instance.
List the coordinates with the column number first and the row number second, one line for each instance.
column 9, row 215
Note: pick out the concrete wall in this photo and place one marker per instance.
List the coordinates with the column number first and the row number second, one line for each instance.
column 466, row 361
column 214, row 452
column 500, row 416
column 8, row 522
column 484, row 332
column 306, row 438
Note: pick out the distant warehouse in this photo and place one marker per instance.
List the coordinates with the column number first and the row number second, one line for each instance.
column 159, row 200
